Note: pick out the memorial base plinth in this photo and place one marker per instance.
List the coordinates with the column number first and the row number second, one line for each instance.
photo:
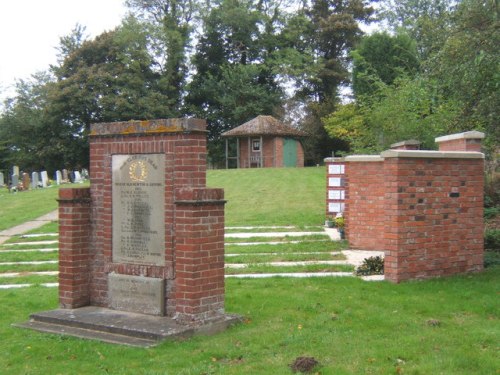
column 121, row 327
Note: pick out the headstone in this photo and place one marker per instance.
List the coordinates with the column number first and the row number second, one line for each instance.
column 15, row 170
column 65, row 176
column 26, row 181
column 15, row 180
column 78, row 178
column 45, row 179
column 2, row 180
column 85, row 174
column 58, row 177
column 34, row 180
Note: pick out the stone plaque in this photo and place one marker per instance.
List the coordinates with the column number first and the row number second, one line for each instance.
column 336, row 207
column 144, row 295
column 334, row 181
column 139, row 209
column 336, row 194
column 336, row 169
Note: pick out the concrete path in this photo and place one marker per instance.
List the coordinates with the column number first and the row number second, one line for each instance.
column 27, row 226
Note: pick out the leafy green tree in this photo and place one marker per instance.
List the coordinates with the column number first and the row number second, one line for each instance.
column 233, row 81
column 426, row 21
column 381, row 57
column 468, row 68
column 171, row 25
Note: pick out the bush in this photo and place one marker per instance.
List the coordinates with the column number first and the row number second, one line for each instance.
column 491, row 258
column 371, row 266
column 491, row 212
column 492, row 240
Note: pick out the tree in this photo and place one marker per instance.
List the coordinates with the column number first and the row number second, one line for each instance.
column 467, row 67
column 233, row 81
column 381, row 58
column 425, row 21
column 170, row 28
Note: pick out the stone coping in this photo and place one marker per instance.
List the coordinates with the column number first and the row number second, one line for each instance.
column 149, row 127
column 410, row 142
column 432, row 154
column 335, row 159
column 364, row 158
column 466, row 135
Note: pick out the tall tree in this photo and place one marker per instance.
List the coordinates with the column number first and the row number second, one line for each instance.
column 172, row 25
column 381, row 57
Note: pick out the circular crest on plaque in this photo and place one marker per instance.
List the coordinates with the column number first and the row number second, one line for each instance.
column 138, row 171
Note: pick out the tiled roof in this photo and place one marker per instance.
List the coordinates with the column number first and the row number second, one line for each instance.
column 264, row 125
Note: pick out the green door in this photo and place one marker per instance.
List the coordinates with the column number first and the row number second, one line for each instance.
column 289, row 152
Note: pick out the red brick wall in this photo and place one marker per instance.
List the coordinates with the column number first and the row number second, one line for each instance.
column 74, row 259
column 272, row 152
column 199, row 267
column 434, row 211
column 364, row 214
column 423, row 208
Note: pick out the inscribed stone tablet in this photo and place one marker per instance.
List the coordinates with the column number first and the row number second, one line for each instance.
column 144, row 295
column 336, row 169
column 336, row 194
column 336, row 207
column 139, row 209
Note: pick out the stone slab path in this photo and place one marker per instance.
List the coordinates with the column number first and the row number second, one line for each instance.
column 353, row 257
column 27, row 226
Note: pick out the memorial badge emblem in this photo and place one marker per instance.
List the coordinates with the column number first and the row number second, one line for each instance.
column 138, row 171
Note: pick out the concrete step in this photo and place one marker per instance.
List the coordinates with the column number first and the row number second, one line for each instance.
column 119, row 327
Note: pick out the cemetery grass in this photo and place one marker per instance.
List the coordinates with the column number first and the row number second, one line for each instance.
column 17, row 208
column 442, row 326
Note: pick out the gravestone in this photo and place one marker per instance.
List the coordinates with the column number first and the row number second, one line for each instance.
column 78, row 177
column 26, row 181
column 15, row 170
column 65, row 176
column 34, row 180
column 85, row 174
column 14, row 180
column 45, row 179
column 58, row 177
column 2, row 180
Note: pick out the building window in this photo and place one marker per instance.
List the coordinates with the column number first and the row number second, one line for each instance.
column 256, row 145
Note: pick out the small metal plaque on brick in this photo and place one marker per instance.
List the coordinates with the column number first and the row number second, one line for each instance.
column 144, row 295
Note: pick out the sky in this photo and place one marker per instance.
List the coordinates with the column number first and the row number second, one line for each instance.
column 30, row 32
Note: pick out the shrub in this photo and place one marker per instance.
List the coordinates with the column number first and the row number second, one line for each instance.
column 491, row 258
column 492, row 240
column 371, row 266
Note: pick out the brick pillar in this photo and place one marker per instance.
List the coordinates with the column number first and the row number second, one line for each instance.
column 199, row 267
column 468, row 141
column 74, row 232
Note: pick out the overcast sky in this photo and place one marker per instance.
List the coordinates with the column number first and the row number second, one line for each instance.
column 30, row 32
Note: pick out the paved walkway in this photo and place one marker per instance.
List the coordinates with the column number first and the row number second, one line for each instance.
column 27, row 226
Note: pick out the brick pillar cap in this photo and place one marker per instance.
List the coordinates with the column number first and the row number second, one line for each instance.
column 333, row 160
column 432, row 154
column 410, row 142
column 148, row 127
column 364, row 158
column 466, row 135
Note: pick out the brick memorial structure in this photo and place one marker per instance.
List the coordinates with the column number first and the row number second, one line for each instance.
column 424, row 209
column 147, row 237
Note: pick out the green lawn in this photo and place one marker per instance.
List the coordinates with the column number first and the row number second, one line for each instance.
column 442, row 326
